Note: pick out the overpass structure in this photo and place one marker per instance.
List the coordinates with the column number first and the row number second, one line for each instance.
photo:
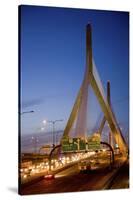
column 79, row 110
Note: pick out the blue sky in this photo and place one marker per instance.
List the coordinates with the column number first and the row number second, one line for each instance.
column 53, row 55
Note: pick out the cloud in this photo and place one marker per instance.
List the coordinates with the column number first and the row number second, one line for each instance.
column 38, row 101
column 33, row 102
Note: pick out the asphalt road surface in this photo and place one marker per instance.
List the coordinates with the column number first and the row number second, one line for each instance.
column 72, row 180
column 121, row 181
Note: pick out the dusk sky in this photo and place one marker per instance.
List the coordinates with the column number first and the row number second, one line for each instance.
column 53, row 56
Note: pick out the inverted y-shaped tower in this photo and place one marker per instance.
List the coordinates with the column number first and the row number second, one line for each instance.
column 79, row 110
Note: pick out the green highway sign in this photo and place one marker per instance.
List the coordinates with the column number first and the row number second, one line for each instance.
column 80, row 144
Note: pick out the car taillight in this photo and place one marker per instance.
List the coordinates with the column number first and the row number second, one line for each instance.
column 49, row 176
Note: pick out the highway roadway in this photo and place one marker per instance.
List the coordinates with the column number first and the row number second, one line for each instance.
column 71, row 180
column 121, row 181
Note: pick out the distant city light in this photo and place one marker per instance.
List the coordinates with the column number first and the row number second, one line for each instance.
column 25, row 176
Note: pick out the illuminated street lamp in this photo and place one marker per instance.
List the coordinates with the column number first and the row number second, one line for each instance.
column 53, row 123
column 44, row 121
column 42, row 129
column 26, row 112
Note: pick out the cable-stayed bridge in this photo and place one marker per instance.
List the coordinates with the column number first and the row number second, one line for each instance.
column 77, row 123
column 65, row 161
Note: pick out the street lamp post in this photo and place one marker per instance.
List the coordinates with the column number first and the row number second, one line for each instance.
column 53, row 124
column 35, row 141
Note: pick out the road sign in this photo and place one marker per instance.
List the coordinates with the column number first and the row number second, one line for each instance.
column 80, row 144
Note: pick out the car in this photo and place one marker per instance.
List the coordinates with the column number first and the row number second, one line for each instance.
column 88, row 165
column 84, row 166
column 49, row 176
column 94, row 166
